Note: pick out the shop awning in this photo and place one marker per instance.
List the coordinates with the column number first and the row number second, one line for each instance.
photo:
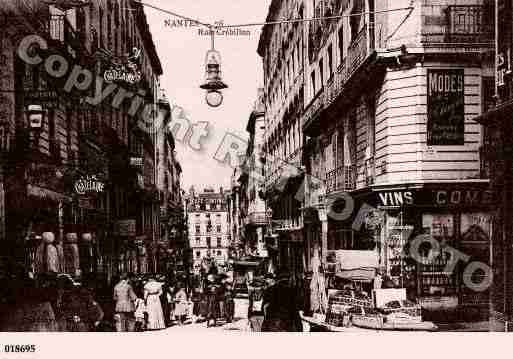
column 358, row 275
column 356, row 265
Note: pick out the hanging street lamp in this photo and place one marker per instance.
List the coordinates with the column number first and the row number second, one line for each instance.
column 213, row 82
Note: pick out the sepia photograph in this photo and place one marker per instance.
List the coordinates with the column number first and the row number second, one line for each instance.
column 253, row 166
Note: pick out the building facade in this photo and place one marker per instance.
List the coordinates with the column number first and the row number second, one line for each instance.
column 282, row 48
column 87, row 170
column 256, row 218
column 391, row 90
column 496, row 162
column 173, row 245
column 209, row 233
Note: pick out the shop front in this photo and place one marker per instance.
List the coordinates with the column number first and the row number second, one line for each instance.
column 433, row 240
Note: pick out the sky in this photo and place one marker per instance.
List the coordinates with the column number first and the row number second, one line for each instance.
column 182, row 52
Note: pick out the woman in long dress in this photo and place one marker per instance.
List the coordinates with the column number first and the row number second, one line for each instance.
column 152, row 292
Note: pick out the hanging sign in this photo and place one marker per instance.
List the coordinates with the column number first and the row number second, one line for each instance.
column 127, row 72
column 446, row 108
column 89, row 184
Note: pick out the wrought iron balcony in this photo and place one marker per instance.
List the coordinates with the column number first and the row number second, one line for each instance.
column 341, row 179
column 357, row 53
column 462, row 24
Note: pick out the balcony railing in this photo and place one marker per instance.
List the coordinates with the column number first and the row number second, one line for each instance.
column 341, row 179
column 359, row 50
column 469, row 24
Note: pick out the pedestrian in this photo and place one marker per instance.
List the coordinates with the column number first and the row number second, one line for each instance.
column 281, row 307
column 229, row 302
column 196, row 297
column 152, row 292
column 80, row 312
column 165, row 300
column 140, row 314
column 212, row 304
column 124, row 297
column 220, row 296
column 181, row 304
column 255, row 294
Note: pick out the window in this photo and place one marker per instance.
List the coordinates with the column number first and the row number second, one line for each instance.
column 197, row 214
column 198, row 229
column 218, row 229
column 313, row 82
column 341, row 43
column 298, row 55
column 209, row 242
column 219, row 253
column 198, row 241
column 198, row 254
column 218, row 215
column 330, row 60
column 321, row 72
column 488, row 93
column 219, row 242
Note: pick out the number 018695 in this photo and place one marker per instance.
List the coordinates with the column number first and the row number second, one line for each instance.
column 19, row 348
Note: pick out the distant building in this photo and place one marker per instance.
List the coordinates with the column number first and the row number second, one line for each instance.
column 254, row 214
column 209, row 234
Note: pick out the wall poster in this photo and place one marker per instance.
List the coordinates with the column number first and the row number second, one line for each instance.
column 446, row 108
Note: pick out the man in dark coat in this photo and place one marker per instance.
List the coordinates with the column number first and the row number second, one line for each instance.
column 281, row 307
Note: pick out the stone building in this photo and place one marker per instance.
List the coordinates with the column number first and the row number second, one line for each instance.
column 390, row 95
column 209, row 234
column 76, row 164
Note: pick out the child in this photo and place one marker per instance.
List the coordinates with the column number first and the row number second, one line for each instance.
column 140, row 313
column 181, row 305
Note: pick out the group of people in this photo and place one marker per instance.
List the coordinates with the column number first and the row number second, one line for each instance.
column 213, row 300
column 50, row 303
column 149, row 304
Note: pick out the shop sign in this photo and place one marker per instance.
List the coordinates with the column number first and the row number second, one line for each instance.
column 446, row 107
column 89, row 184
column 126, row 227
column 503, row 67
column 396, row 198
column 49, row 98
column 436, row 198
column 127, row 72
column 463, row 197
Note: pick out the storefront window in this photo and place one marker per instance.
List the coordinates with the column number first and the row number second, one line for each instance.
column 434, row 280
column 399, row 268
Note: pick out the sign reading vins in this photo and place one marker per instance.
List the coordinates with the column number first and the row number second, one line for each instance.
column 446, row 108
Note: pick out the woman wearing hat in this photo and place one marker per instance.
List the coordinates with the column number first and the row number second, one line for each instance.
column 152, row 292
